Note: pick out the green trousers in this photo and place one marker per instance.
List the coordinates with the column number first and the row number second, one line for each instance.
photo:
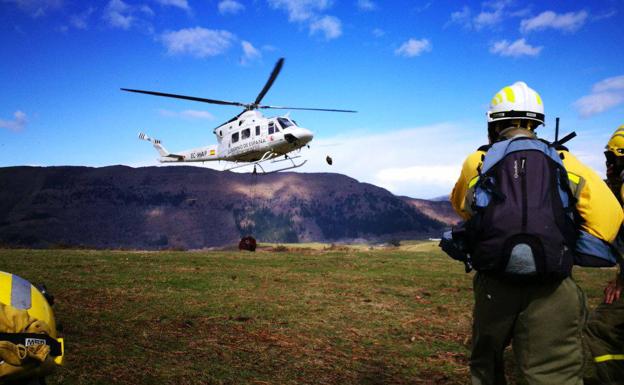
column 605, row 338
column 543, row 322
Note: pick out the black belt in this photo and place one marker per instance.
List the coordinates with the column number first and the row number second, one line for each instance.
column 28, row 339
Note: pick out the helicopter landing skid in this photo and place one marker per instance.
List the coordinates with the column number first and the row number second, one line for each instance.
column 266, row 157
column 290, row 167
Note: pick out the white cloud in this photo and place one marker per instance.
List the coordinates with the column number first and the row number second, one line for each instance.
column 462, row 17
column 80, row 21
column 195, row 114
column 310, row 12
column 37, row 8
column 491, row 17
column 615, row 83
column 413, row 47
column 596, row 103
column 440, row 175
column 366, row 5
column 182, row 4
column 198, row 42
column 406, row 162
column 329, row 26
column 300, row 10
column 604, row 15
column 606, row 94
column 423, row 8
column 230, row 7
column 187, row 114
column 567, row 22
column 516, row 49
column 119, row 14
column 492, row 14
column 17, row 124
column 378, row 32
column 250, row 52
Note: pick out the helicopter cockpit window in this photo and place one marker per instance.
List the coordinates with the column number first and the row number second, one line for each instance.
column 235, row 137
column 257, row 130
column 284, row 122
column 246, row 133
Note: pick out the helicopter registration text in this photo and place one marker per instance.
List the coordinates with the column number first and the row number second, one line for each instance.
column 199, row 155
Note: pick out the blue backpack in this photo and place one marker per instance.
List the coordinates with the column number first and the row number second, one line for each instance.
column 525, row 222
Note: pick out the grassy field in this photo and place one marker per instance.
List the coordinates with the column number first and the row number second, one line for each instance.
column 300, row 316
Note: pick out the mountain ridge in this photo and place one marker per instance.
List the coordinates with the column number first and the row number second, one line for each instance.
column 191, row 207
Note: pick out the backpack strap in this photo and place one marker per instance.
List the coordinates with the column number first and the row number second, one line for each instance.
column 484, row 148
column 500, row 149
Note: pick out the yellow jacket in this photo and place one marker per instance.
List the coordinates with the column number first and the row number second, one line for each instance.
column 596, row 204
column 24, row 309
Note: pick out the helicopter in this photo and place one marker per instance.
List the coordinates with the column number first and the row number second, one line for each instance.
column 249, row 138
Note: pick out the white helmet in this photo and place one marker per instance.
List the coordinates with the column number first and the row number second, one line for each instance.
column 516, row 101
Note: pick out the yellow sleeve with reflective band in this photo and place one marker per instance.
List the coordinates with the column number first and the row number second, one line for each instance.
column 596, row 204
column 467, row 178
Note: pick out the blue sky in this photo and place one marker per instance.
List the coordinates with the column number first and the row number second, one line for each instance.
column 420, row 73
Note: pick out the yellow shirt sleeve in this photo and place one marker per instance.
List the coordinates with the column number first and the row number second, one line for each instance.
column 468, row 173
column 596, row 204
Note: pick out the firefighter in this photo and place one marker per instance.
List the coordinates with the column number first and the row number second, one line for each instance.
column 605, row 327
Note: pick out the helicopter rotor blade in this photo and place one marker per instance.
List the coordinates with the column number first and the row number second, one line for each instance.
column 196, row 99
column 269, row 83
column 306, row 109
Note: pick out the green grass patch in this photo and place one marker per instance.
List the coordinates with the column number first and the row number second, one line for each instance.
column 314, row 315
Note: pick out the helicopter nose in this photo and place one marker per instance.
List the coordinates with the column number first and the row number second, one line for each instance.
column 304, row 135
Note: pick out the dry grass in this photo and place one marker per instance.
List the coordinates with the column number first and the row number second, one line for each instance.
column 311, row 315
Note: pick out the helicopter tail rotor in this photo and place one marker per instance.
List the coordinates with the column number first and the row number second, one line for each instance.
column 157, row 145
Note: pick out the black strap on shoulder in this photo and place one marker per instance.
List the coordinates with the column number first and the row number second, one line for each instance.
column 484, row 148
column 28, row 339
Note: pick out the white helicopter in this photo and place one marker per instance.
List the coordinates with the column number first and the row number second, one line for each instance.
column 249, row 137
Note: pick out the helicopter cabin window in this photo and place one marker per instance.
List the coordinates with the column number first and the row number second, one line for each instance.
column 246, row 133
column 271, row 128
column 257, row 130
column 284, row 122
column 235, row 137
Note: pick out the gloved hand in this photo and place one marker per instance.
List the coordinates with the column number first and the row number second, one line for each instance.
column 613, row 290
column 450, row 247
